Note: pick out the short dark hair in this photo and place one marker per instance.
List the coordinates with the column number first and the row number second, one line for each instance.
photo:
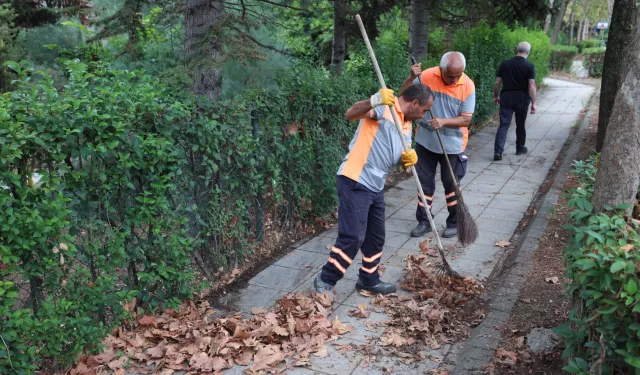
column 418, row 91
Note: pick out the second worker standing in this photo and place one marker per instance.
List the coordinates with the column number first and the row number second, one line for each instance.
column 455, row 100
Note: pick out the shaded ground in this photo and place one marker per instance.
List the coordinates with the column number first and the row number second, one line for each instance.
column 542, row 303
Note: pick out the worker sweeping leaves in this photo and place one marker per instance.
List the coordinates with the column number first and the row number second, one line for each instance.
column 374, row 150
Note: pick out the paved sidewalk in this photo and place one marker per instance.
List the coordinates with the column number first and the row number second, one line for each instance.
column 497, row 194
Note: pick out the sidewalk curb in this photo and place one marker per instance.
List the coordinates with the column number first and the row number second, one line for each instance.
column 473, row 356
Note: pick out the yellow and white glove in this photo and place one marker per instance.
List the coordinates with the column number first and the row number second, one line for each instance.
column 409, row 158
column 382, row 97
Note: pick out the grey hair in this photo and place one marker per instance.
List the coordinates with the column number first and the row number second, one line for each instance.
column 444, row 61
column 523, row 47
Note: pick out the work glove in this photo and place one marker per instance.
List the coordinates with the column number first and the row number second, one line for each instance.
column 409, row 158
column 382, row 97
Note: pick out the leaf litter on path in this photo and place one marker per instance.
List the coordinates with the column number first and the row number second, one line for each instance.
column 295, row 330
column 437, row 312
column 191, row 340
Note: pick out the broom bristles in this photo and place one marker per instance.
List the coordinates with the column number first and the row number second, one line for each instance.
column 467, row 228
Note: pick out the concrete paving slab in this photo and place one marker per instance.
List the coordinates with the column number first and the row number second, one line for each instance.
column 336, row 363
column 365, row 331
column 281, row 278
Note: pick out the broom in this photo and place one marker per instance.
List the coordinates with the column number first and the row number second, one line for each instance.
column 467, row 228
column 444, row 267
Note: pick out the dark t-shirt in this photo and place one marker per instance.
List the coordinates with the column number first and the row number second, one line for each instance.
column 516, row 73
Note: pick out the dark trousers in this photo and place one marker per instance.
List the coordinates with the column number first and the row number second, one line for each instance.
column 512, row 102
column 427, row 167
column 360, row 226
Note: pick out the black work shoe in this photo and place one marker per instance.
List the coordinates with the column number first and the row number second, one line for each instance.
column 450, row 232
column 380, row 288
column 320, row 286
column 522, row 151
column 497, row 157
column 421, row 229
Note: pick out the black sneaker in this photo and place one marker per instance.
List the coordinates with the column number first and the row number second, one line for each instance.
column 421, row 229
column 450, row 232
column 380, row 288
column 497, row 157
column 320, row 286
column 522, row 151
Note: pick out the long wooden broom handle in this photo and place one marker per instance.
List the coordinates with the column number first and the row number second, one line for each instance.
column 396, row 119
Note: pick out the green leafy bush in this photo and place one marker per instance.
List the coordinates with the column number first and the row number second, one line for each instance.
column 138, row 181
column 485, row 48
column 593, row 61
column 589, row 43
column 602, row 260
column 562, row 57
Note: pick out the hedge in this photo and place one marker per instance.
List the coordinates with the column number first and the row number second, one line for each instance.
column 589, row 43
column 485, row 48
column 562, row 57
column 593, row 61
column 602, row 258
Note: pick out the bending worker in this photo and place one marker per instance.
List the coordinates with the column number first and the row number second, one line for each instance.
column 455, row 100
column 374, row 150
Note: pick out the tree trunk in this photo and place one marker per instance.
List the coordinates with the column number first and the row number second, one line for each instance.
column 579, row 31
column 419, row 33
column 572, row 27
column 339, row 35
column 618, row 173
column 585, row 29
column 559, row 19
column 202, row 46
column 621, row 33
column 547, row 21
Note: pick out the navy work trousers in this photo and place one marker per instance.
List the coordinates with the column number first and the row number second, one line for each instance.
column 427, row 167
column 360, row 226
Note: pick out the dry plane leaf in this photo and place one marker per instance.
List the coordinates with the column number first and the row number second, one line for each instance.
column 552, row 280
column 506, row 357
column 120, row 371
column 393, row 339
column 503, row 243
column 322, row 352
column 258, row 311
column 117, row 363
column 626, row 248
column 148, row 320
column 157, row 352
column 129, row 306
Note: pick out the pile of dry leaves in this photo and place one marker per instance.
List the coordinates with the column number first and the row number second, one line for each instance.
column 192, row 340
column 435, row 313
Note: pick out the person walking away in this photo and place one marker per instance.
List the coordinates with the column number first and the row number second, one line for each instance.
column 517, row 76
column 455, row 101
column 374, row 150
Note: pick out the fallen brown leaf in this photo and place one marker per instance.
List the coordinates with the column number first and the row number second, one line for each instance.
column 148, row 320
column 506, row 357
column 322, row 352
column 552, row 280
column 503, row 243
column 626, row 248
column 258, row 311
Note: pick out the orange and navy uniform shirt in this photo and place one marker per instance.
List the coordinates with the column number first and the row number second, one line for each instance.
column 375, row 148
column 448, row 102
